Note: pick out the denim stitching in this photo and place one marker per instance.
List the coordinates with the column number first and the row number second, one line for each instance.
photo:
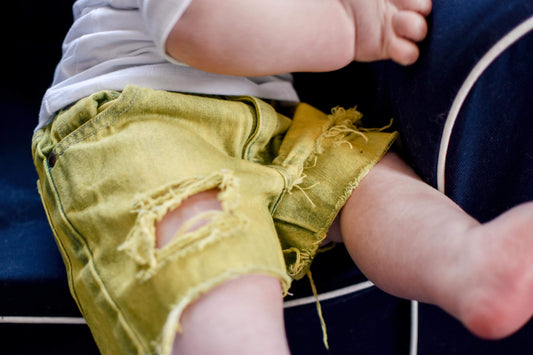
column 82, row 241
column 62, row 149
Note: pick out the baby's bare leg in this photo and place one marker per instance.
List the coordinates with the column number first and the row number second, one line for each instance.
column 415, row 243
column 240, row 316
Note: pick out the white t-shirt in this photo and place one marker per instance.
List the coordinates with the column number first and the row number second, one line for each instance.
column 113, row 43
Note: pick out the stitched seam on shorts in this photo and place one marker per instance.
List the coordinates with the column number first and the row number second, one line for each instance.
column 280, row 197
column 78, row 236
column 257, row 116
column 60, row 149
column 59, row 241
column 129, row 330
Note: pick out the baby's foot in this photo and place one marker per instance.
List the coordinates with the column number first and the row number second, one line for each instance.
column 499, row 296
column 388, row 29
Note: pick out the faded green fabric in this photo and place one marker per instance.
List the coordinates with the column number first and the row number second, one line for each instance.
column 114, row 164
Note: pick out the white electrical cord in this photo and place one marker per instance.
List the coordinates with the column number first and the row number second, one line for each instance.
column 503, row 44
column 329, row 295
column 42, row 320
column 288, row 304
column 413, row 341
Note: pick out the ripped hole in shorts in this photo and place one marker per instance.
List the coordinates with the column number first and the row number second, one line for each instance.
column 193, row 213
column 182, row 217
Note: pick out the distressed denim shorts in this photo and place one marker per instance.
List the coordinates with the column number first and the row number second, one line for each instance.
column 113, row 164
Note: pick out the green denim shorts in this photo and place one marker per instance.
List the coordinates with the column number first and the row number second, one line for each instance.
column 113, row 164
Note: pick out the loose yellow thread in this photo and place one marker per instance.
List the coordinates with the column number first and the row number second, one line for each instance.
column 319, row 310
column 296, row 267
column 297, row 183
column 194, row 222
column 380, row 129
column 313, row 164
column 327, row 247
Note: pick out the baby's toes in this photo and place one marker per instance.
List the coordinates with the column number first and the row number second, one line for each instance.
column 423, row 7
column 410, row 25
column 402, row 51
